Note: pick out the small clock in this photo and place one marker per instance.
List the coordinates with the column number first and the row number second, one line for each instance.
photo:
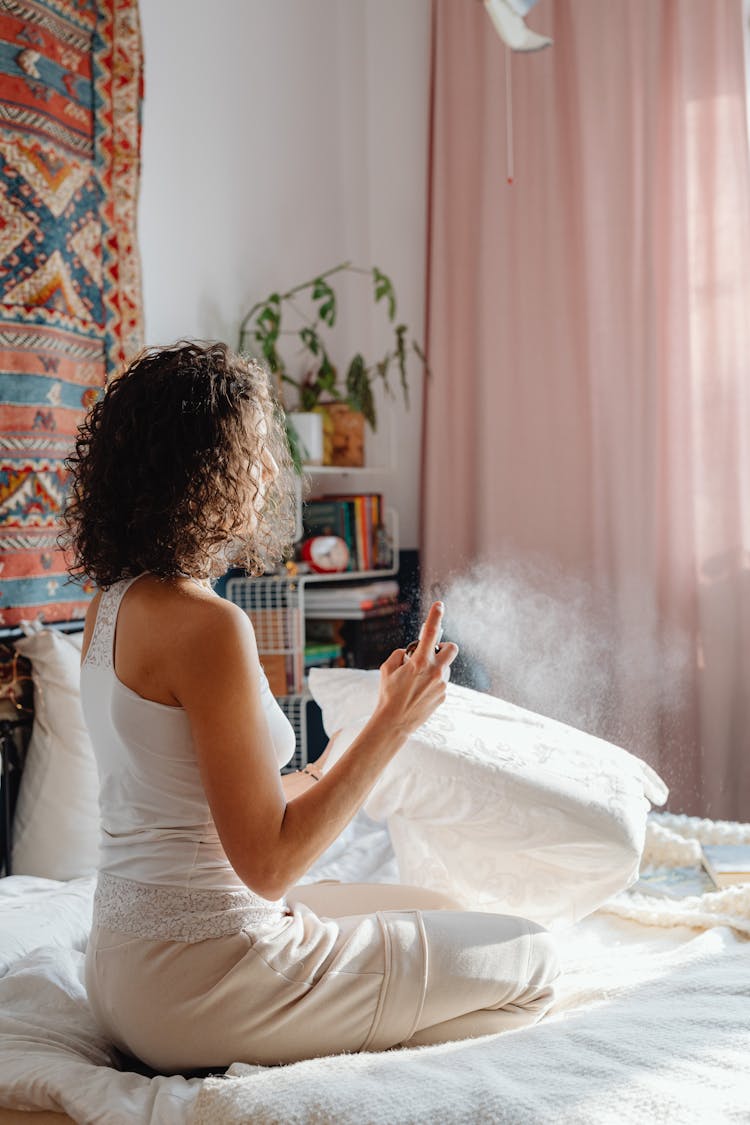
column 325, row 554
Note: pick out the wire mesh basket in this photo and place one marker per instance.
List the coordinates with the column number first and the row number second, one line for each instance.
column 295, row 709
column 275, row 607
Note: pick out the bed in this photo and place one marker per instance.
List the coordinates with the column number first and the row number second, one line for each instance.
column 651, row 1022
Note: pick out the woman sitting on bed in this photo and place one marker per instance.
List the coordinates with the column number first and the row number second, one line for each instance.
column 203, row 951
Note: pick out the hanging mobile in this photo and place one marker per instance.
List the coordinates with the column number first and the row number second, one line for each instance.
column 508, row 116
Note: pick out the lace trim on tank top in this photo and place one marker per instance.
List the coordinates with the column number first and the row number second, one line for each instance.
column 161, row 913
column 100, row 646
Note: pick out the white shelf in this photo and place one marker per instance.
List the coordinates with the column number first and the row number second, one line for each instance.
column 379, row 453
column 348, row 614
column 347, row 575
column 345, row 470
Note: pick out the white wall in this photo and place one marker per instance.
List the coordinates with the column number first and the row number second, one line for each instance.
column 281, row 137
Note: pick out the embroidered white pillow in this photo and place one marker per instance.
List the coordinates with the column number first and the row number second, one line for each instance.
column 504, row 809
column 56, row 826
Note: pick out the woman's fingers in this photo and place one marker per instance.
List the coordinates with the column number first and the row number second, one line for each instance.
column 395, row 660
column 427, row 653
column 446, row 654
column 431, row 632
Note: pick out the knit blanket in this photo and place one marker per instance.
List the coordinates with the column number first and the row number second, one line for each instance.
column 70, row 303
column 675, row 841
column 651, row 1024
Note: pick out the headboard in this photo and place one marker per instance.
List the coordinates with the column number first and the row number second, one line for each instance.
column 16, row 724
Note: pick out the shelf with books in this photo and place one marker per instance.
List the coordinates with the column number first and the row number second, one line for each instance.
column 366, row 529
column 390, row 518
column 290, row 608
column 362, row 607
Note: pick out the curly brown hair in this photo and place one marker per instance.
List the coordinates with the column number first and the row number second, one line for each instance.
column 171, row 467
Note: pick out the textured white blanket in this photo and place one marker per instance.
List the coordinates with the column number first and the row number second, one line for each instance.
column 652, row 1023
column 672, row 1049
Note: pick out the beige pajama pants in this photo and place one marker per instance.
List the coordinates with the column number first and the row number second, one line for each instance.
column 353, row 967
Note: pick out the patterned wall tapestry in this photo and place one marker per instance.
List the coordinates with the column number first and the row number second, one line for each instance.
column 70, row 306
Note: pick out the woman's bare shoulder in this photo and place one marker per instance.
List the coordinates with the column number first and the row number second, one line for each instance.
column 187, row 618
column 183, row 603
column 202, row 640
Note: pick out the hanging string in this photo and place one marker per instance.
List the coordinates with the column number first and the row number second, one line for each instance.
column 508, row 117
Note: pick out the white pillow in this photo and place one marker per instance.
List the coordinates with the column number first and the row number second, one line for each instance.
column 56, row 827
column 505, row 810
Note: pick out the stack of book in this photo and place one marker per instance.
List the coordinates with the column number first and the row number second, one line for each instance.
column 355, row 601
column 358, row 520
column 722, row 865
column 673, row 882
column 727, row 864
column 318, row 654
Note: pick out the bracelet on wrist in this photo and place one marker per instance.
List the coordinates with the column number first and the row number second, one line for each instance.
column 311, row 773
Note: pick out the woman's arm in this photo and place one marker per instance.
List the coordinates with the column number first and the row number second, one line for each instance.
column 271, row 842
column 297, row 782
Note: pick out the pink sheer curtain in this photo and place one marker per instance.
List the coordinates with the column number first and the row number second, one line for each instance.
column 589, row 339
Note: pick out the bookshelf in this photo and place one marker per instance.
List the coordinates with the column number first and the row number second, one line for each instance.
column 278, row 605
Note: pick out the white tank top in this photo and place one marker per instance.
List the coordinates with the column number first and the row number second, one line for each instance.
column 156, row 825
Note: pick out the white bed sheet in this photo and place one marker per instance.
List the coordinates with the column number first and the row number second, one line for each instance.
column 43, row 912
column 651, row 1023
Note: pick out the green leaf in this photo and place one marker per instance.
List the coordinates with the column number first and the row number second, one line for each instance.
column 384, row 290
column 269, row 321
column 310, row 340
column 326, row 377
column 356, row 377
column 327, row 312
column 327, row 309
column 295, row 450
column 382, row 370
column 309, row 397
column 401, row 331
column 270, row 355
column 359, row 390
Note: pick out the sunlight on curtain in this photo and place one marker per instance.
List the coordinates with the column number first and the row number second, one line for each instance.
column 719, row 305
column 587, row 424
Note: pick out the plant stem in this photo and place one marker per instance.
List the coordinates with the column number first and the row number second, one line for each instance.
column 303, row 316
column 306, row 284
column 298, row 289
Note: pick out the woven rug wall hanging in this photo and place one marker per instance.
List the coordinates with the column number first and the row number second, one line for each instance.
column 70, row 300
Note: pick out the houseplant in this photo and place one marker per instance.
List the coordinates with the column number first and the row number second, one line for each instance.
column 306, row 314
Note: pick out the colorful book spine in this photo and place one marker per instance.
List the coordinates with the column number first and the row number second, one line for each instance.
column 358, row 521
column 359, row 515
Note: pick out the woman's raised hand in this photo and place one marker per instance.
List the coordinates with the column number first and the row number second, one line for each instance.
column 411, row 688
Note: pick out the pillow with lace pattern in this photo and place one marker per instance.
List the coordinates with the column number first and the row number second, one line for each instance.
column 501, row 808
